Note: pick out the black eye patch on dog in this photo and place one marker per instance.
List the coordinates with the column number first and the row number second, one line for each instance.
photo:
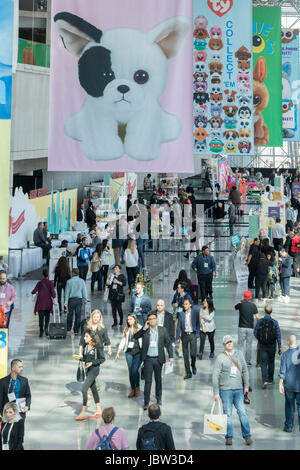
column 95, row 70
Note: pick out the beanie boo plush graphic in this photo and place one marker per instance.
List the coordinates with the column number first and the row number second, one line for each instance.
column 124, row 72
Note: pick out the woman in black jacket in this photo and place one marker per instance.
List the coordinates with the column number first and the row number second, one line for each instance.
column 12, row 428
column 92, row 357
column 261, row 276
column 62, row 273
column 116, row 294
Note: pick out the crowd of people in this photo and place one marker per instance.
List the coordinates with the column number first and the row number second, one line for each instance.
column 151, row 331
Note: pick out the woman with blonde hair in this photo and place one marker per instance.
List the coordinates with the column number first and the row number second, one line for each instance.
column 12, row 429
column 131, row 258
column 132, row 348
column 95, row 324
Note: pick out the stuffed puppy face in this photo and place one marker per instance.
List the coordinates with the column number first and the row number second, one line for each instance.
column 216, row 122
column 124, row 69
column 244, row 66
column 230, row 136
column 230, row 111
column 260, row 96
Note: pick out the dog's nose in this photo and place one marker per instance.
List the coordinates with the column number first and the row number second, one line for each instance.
column 123, row 89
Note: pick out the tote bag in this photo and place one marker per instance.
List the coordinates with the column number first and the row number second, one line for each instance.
column 215, row 423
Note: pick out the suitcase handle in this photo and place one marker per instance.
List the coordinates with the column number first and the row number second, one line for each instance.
column 56, row 309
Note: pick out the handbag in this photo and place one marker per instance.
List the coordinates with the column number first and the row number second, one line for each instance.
column 215, row 423
column 80, row 373
column 121, row 297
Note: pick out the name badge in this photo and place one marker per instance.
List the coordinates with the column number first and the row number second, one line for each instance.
column 153, row 344
column 11, row 396
column 130, row 344
column 5, row 447
column 206, row 265
column 2, row 296
column 115, row 286
column 233, row 371
column 180, row 309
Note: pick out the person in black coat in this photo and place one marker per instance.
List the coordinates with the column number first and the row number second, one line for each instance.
column 15, row 383
column 80, row 213
column 165, row 319
column 161, row 433
column 116, row 294
column 93, row 357
column 183, row 277
column 188, row 328
column 12, row 428
column 261, row 276
column 90, row 216
column 155, row 340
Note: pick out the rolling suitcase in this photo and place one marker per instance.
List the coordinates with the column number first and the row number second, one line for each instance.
column 57, row 330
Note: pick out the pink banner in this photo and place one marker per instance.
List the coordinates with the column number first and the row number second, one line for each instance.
column 121, row 96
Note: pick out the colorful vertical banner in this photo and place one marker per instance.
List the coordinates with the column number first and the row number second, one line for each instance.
column 120, row 93
column 223, row 100
column 290, row 81
column 267, row 83
column 6, row 54
column 3, row 352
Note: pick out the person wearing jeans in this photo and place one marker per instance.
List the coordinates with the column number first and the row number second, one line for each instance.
column 208, row 327
column 247, row 311
column 267, row 346
column 230, row 383
column 289, row 382
column 285, row 272
column 132, row 348
column 76, row 293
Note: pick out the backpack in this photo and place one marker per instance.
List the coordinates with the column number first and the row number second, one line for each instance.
column 150, row 440
column 104, row 442
column 267, row 332
column 3, row 317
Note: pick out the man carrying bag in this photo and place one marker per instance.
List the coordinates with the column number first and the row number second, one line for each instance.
column 230, row 371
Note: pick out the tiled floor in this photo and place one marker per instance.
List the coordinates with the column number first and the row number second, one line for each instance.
column 56, row 397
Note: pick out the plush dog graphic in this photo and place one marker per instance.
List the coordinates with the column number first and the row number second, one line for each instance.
column 123, row 72
column 216, row 122
column 261, row 101
column 230, row 96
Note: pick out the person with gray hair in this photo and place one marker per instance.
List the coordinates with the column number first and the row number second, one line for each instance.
column 230, row 383
column 12, row 429
column 289, row 382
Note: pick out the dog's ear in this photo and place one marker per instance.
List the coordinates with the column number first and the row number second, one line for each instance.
column 169, row 35
column 75, row 32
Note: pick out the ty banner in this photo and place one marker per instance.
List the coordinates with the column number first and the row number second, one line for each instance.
column 120, row 90
column 223, row 71
column 290, row 84
column 267, row 83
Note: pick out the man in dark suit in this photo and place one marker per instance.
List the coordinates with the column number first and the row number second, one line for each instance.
column 165, row 319
column 188, row 327
column 155, row 435
column 80, row 213
column 14, row 386
column 155, row 339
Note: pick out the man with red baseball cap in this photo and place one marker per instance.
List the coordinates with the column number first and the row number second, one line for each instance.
column 247, row 311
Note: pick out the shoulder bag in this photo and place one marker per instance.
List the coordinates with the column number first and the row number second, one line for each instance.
column 246, row 398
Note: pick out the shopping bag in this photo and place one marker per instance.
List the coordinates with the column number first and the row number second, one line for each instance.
column 106, row 293
column 215, row 424
column 80, row 376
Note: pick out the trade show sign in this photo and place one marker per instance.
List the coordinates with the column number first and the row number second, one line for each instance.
column 267, row 83
column 120, row 88
column 6, row 55
column 222, row 78
column 290, row 83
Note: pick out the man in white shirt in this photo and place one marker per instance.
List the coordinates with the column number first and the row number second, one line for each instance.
column 278, row 234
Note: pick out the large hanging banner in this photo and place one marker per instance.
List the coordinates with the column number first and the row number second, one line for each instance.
column 120, row 90
column 6, row 54
column 267, row 83
column 290, row 81
column 223, row 100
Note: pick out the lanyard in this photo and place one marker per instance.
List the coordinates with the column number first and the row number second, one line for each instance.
column 9, row 433
column 12, row 386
